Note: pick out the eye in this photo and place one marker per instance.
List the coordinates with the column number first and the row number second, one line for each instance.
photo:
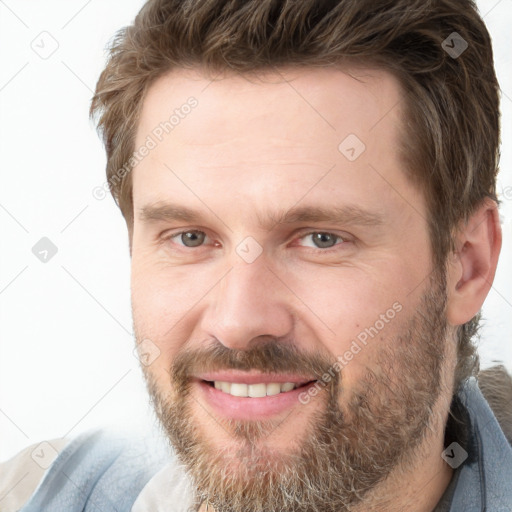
column 322, row 240
column 192, row 238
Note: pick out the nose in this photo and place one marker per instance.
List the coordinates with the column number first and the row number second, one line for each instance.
column 250, row 302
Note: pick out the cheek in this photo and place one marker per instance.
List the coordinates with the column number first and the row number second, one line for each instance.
column 345, row 300
column 357, row 310
column 155, row 306
column 166, row 302
column 163, row 292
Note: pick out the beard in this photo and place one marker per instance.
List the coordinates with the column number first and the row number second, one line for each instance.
column 350, row 444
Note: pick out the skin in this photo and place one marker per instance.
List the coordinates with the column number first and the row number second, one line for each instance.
column 250, row 149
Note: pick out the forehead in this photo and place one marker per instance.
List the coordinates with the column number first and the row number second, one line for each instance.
column 329, row 101
column 274, row 134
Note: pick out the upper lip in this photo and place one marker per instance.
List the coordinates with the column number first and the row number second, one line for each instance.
column 254, row 378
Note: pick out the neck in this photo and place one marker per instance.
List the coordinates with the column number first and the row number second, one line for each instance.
column 418, row 492
column 419, row 484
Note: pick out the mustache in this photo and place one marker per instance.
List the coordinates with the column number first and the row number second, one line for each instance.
column 270, row 356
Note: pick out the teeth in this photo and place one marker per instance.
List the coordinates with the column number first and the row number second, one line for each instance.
column 239, row 389
column 253, row 390
column 273, row 389
column 257, row 390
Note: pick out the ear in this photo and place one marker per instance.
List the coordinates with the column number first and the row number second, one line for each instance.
column 471, row 268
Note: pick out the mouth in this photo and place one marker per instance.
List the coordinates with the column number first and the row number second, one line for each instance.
column 252, row 397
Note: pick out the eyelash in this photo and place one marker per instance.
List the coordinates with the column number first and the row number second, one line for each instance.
column 302, row 235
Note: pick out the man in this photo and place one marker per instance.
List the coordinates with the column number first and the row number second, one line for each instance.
column 309, row 190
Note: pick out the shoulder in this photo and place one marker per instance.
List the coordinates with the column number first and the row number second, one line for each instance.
column 495, row 383
column 21, row 474
column 108, row 466
column 486, row 454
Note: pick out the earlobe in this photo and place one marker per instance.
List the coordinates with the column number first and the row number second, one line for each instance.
column 472, row 268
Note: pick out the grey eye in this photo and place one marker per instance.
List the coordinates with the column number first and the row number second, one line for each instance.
column 192, row 238
column 324, row 240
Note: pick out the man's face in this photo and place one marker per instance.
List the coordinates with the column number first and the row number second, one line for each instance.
column 294, row 323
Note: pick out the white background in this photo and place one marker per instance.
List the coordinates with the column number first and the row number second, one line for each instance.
column 66, row 360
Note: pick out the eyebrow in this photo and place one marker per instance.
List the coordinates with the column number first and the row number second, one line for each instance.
column 346, row 215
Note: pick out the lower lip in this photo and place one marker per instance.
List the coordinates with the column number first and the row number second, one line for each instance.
column 246, row 408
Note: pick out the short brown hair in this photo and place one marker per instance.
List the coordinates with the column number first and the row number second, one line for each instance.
column 451, row 102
